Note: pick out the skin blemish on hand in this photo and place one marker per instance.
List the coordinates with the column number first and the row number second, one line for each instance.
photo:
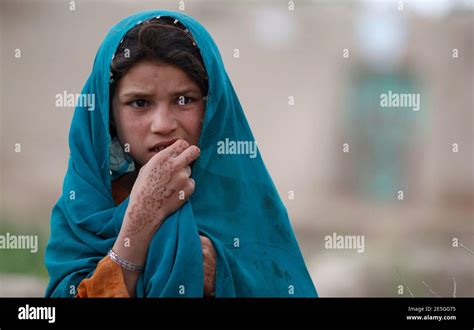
column 151, row 197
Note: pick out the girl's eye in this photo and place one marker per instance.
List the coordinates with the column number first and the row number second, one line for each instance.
column 184, row 100
column 139, row 103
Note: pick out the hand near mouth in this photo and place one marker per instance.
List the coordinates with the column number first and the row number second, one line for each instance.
column 154, row 195
column 163, row 145
column 162, row 186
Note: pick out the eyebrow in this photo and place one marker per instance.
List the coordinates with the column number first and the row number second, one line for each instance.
column 138, row 93
column 144, row 93
column 185, row 90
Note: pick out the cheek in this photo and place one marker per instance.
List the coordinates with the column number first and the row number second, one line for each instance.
column 191, row 122
column 129, row 127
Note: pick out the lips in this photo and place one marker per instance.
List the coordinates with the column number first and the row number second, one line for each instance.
column 162, row 145
column 158, row 149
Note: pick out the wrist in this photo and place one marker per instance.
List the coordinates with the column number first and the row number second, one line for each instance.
column 124, row 263
column 132, row 247
column 142, row 223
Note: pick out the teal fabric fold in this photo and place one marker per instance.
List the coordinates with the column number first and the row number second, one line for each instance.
column 235, row 203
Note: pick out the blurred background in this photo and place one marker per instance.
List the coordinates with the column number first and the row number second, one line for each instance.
column 309, row 75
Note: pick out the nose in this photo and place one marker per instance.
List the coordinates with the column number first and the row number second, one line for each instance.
column 163, row 121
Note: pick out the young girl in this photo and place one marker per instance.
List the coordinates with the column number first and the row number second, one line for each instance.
column 152, row 205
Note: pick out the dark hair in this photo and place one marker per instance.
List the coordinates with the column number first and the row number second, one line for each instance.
column 163, row 39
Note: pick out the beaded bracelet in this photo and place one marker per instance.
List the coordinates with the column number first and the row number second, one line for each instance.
column 124, row 263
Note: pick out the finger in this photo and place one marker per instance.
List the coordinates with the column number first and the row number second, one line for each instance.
column 187, row 169
column 188, row 155
column 188, row 189
column 176, row 148
column 169, row 192
column 192, row 186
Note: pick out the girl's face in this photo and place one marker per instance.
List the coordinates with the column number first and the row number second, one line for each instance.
column 153, row 105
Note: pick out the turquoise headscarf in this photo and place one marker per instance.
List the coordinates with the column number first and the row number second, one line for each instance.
column 235, row 203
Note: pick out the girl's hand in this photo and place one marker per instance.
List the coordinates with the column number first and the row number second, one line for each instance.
column 163, row 185
column 209, row 254
column 156, row 194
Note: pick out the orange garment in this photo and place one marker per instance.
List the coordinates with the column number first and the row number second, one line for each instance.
column 107, row 280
